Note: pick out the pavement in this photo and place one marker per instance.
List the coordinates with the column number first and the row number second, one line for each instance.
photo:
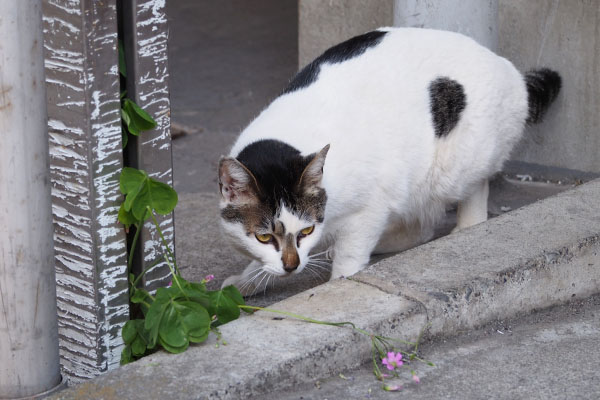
column 531, row 258
column 548, row 354
column 539, row 249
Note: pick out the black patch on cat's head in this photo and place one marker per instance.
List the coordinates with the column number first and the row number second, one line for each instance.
column 339, row 53
column 278, row 169
column 447, row 101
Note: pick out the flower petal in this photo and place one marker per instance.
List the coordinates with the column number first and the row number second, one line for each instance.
column 392, row 388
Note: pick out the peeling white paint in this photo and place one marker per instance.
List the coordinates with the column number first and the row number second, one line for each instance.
column 59, row 126
column 71, row 7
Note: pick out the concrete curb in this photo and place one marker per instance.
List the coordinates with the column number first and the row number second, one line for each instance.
column 534, row 257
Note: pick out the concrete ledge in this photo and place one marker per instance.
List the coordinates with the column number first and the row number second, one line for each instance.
column 265, row 354
column 533, row 257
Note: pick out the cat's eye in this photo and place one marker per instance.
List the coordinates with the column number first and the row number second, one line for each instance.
column 307, row 231
column 263, row 238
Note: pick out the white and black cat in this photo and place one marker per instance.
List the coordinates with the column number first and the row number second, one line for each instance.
column 368, row 145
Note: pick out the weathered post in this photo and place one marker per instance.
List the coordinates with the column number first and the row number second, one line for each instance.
column 145, row 35
column 474, row 18
column 85, row 161
column 28, row 323
column 86, row 156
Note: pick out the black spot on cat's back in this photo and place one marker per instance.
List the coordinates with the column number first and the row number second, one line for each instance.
column 342, row 52
column 447, row 101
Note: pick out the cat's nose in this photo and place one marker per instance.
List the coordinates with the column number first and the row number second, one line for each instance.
column 289, row 255
column 291, row 267
column 290, row 261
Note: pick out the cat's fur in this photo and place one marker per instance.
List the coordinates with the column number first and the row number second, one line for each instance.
column 369, row 144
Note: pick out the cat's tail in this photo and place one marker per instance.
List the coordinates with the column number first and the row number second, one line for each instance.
column 543, row 86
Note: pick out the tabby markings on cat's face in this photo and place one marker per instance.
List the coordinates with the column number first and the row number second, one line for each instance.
column 281, row 242
column 272, row 205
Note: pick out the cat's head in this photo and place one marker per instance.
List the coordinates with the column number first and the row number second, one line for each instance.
column 272, row 204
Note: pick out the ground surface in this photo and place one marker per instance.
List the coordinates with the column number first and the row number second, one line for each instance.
column 550, row 354
column 228, row 59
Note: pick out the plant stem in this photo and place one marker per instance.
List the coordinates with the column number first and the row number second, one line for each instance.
column 174, row 271
column 133, row 244
column 144, row 272
column 303, row 318
column 160, row 234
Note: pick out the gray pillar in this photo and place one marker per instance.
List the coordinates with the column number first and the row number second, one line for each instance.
column 28, row 323
column 86, row 158
column 474, row 18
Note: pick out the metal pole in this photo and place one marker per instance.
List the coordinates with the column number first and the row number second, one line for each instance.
column 474, row 18
column 29, row 362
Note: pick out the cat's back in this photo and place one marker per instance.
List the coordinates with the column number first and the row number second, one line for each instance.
column 377, row 86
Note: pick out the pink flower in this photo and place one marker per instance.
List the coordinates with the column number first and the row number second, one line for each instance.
column 209, row 278
column 392, row 360
column 392, row 388
column 170, row 283
column 416, row 379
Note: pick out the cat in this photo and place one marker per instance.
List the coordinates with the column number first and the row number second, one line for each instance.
column 368, row 144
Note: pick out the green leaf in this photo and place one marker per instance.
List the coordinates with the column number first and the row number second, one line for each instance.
column 142, row 191
column 141, row 295
column 141, row 330
column 138, row 347
column 129, row 332
column 126, row 356
column 136, row 119
column 126, row 217
column 172, row 349
column 223, row 307
column 171, row 328
column 234, row 294
column 196, row 321
column 124, row 137
column 155, row 315
column 122, row 65
column 184, row 290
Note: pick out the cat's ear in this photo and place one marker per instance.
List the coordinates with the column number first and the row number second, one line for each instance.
column 313, row 173
column 237, row 184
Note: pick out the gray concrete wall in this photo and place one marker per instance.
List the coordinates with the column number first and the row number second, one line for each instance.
column 325, row 23
column 563, row 35
column 474, row 18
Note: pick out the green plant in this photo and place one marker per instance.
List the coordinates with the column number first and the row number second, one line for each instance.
column 183, row 313
column 135, row 119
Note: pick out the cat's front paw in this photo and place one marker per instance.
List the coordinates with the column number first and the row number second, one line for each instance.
column 345, row 272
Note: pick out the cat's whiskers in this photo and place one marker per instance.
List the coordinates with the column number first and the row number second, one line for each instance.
column 320, row 265
column 315, row 273
column 326, row 252
column 266, row 285
column 266, row 275
column 252, row 275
